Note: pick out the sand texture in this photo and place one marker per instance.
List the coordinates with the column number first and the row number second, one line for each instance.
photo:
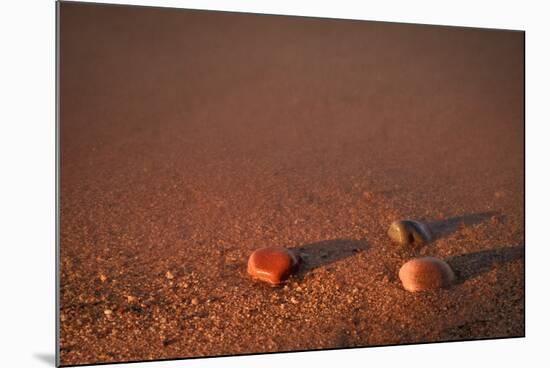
column 189, row 139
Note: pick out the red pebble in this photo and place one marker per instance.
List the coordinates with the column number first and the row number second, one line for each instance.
column 272, row 264
column 426, row 273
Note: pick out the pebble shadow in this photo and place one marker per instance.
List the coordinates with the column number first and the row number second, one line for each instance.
column 469, row 266
column 448, row 226
column 323, row 253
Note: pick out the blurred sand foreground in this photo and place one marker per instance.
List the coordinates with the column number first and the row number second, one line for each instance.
column 191, row 138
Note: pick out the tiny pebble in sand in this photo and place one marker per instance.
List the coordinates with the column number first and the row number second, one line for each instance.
column 131, row 298
column 406, row 232
column 426, row 273
column 272, row 264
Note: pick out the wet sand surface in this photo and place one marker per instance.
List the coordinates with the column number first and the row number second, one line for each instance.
column 190, row 139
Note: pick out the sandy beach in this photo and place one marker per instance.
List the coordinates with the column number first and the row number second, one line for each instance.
column 190, row 138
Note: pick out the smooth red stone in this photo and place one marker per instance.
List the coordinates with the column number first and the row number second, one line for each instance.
column 426, row 273
column 272, row 264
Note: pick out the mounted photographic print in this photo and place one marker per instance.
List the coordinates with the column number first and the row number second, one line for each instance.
column 233, row 183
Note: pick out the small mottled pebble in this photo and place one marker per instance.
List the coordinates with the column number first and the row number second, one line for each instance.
column 102, row 277
column 169, row 275
column 406, row 232
column 272, row 264
column 107, row 312
column 131, row 298
column 368, row 195
column 194, row 301
column 426, row 273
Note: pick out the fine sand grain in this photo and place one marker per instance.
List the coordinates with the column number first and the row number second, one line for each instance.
column 190, row 139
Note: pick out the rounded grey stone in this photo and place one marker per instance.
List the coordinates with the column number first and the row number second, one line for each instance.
column 405, row 232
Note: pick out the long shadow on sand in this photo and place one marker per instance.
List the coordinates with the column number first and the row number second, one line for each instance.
column 468, row 266
column 448, row 226
column 325, row 252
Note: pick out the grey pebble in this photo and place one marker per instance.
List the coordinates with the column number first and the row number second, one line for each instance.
column 405, row 232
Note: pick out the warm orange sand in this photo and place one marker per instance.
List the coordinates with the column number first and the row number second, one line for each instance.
column 189, row 139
